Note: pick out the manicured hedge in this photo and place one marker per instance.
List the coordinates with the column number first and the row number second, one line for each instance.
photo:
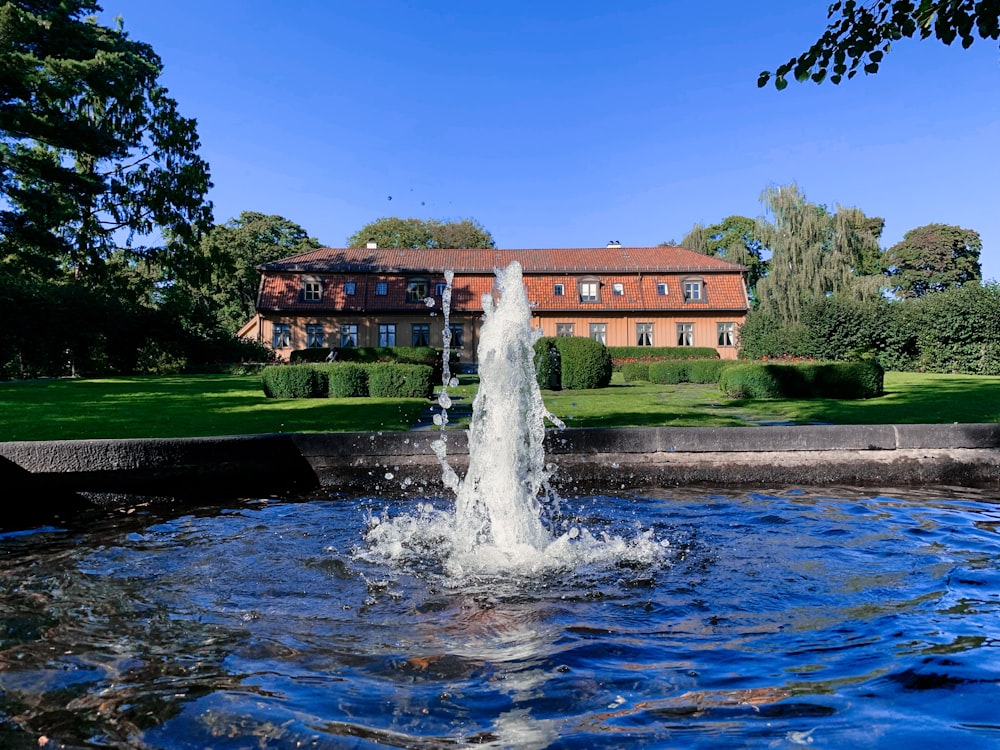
column 633, row 371
column 688, row 370
column 293, row 381
column 392, row 380
column 844, row 380
column 346, row 379
column 583, row 363
column 548, row 370
column 668, row 371
column 622, row 355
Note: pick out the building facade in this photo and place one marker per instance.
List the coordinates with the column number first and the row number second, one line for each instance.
column 654, row 296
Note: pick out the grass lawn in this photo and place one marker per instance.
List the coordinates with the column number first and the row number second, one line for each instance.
column 201, row 405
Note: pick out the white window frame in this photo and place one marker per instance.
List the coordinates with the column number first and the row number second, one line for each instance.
column 565, row 330
column 281, row 335
column 387, row 334
column 685, row 334
column 726, row 333
column 644, row 334
column 599, row 332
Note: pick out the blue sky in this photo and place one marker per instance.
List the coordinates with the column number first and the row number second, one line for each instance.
column 567, row 124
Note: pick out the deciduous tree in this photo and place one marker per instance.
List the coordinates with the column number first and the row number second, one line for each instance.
column 736, row 239
column 933, row 258
column 860, row 35
column 395, row 232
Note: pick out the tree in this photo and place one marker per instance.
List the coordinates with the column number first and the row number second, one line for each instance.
column 93, row 152
column 861, row 35
column 735, row 239
column 229, row 255
column 814, row 254
column 395, row 232
column 933, row 258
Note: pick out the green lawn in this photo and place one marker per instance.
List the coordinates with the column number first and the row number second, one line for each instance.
column 200, row 405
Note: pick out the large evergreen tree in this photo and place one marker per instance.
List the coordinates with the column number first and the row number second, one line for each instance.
column 94, row 156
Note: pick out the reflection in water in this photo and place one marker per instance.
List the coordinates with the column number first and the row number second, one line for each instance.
column 770, row 620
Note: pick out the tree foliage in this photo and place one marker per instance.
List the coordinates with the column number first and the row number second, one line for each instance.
column 228, row 256
column 933, row 258
column 414, row 233
column 814, row 253
column 94, row 155
column 736, row 239
column 860, row 35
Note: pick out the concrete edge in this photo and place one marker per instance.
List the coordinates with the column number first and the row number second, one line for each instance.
column 63, row 474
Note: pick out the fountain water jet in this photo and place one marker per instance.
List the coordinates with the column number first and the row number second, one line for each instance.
column 504, row 507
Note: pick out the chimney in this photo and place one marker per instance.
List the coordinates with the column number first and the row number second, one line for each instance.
column 614, row 243
column 371, row 244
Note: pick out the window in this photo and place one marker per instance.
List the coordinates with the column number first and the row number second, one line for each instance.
column 439, row 288
column 349, row 287
column 644, row 334
column 314, row 334
column 457, row 334
column 661, row 288
column 421, row 334
column 599, row 332
column 618, row 289
column 564, row 330
column 312, row 291
column 348, row 335
column 589, row 290
column 685, row 334
column 727, row 333
column 558, row 290
column 281, row 336
column 693, row 291
column 387, row 334
column 416, row 290
column 381, row 288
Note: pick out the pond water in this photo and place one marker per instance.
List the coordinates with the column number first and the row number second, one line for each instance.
column 837, row 619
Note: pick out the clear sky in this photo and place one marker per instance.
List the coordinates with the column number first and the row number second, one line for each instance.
column 567, row 124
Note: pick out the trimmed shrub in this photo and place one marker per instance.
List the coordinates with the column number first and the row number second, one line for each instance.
column 707, row 370
column 633, row 371
column 584, row 363
column 346, row 379
column 842, row 380
column 293, row 381
column 622, row 355
column 312, row 354
column 393, row 380
column 750, row 380
column 548, row 364
column 669, row 372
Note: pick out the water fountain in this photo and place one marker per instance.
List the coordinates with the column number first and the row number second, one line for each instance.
column 684, row 617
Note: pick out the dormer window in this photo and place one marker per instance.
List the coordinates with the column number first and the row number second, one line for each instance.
column 416, row 290
column 312, row 290
column 590, row 290
column 694, row 290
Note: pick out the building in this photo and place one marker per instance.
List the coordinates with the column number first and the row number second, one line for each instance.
column 622, row 296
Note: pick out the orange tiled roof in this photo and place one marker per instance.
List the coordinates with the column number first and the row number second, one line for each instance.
column 635, row 271
column 564, row 260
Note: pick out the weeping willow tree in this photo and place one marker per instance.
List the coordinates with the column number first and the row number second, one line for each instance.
column 815, row 254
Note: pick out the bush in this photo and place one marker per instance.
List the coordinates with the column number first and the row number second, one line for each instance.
column 633, row 371
column 392, row 380
column 843, row 380
column 312, row 354
column 548, row 364
column 669, row 372
column 622, row 355
column 750, row 380
column 294, row 381
column 584, row 363
column 707, row 370
column 346, row 379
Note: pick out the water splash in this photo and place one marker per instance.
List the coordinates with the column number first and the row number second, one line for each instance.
column 505, row 511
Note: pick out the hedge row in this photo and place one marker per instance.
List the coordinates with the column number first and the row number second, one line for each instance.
column 848, row 380
column 348, row 380
column 623, row 355
column 687, row 371
column 572, row 362
column 412, row 355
